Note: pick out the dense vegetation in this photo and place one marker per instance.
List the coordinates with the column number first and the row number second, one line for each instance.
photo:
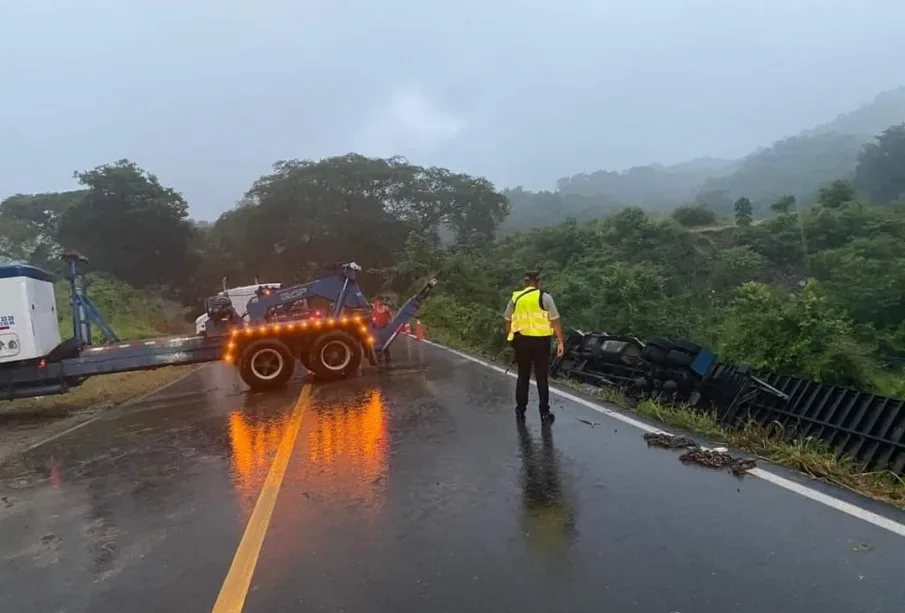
column 815, row 290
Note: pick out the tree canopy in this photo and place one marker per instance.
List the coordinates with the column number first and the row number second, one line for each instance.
column 815, row 289
column 880, row 166
column 128, row 224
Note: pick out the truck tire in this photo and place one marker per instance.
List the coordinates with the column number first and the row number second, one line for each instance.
column 334, row 355
column 266, row 364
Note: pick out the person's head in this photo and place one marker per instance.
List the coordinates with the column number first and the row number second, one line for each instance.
column 532, row 278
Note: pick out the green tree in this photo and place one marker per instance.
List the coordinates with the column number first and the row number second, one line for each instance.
column 694, row 215
column 817, row 339
column 879, row 173
column 835, row 195
column 865, row 279
column 307, row 213
column 744, row 212
column 130, row 225
column 736, row 265
column 17, row 239
column 783, row 205
column 29, row 226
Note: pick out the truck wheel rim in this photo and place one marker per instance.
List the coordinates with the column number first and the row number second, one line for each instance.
column 336, row 355
column 267, row 364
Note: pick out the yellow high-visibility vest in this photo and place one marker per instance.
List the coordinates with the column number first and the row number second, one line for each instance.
column 528, row 318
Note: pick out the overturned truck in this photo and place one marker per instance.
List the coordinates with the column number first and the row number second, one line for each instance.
column 671, row 371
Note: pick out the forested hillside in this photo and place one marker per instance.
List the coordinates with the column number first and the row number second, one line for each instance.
column 818, row 292
column 797, row 166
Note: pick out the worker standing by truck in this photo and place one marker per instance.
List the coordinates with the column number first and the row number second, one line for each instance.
column 382, row 319
column 531, row 319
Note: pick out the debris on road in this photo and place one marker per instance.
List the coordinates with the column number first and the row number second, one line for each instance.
column 712, row 458
column 589, row 423
column 669, row 441
column 718, row 459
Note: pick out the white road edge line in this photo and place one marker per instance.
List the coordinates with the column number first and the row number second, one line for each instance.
column 824, row 499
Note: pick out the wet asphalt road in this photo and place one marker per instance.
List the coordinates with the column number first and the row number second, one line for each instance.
column 413, row 491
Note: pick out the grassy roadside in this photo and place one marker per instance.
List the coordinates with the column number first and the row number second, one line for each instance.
column 809, row 456
column 96, row 393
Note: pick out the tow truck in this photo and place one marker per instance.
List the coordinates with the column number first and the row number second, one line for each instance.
column 277, row 329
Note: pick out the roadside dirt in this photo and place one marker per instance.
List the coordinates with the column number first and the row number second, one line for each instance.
column 25, row 423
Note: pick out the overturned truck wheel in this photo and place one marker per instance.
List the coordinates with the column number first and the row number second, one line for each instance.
column 266, row 364
column 335, row 355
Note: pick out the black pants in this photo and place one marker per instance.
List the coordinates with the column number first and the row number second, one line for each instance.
column 532, row 351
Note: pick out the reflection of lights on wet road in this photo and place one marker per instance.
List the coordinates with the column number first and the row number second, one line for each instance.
column 334, row 466
column 346, row 445
column 254, row 443
column 344, row 448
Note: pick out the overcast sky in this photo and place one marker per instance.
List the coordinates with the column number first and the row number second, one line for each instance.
column 207, row 94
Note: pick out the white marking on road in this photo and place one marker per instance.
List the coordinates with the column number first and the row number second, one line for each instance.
column 830, row 501
column 824, row 499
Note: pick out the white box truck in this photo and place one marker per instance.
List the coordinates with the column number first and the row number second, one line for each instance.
column 29, row 328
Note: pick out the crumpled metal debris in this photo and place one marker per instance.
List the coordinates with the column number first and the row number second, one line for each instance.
column 712, row 458
column 668, row 441
column 718, row 459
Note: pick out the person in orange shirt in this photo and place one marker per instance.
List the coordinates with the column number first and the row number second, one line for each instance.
column 382, row 319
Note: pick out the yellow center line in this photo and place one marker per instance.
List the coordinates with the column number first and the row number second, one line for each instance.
column 238, row 579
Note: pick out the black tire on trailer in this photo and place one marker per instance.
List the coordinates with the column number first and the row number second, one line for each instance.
column 334, row 355
column 266, row 364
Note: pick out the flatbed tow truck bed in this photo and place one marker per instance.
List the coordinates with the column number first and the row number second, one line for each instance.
column 264, row 348
column 43, row 377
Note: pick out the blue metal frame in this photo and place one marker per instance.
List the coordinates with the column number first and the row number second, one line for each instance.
column 341, row 289
column 345, row 292
column 408, row 311
column 84, row 313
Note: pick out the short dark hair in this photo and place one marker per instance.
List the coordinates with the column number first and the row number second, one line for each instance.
column 532, row 275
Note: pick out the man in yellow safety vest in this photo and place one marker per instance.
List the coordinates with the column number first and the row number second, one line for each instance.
column 531, row 320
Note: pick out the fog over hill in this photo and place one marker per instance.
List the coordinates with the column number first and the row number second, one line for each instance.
column 797, row 165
